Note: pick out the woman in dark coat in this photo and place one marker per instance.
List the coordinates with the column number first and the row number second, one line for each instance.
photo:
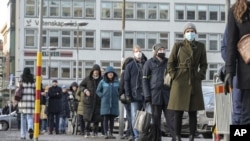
column 108, row 91
column 187, row 66
column 91, row 102
column 238, row 26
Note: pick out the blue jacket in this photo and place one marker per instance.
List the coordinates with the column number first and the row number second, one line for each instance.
column 133, row 80
column 224, row 44
column 108, row 91
column 153, row 81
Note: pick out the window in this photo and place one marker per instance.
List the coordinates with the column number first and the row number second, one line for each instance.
column 30, row 8
column 30, row 38
column 213, row 42
column 65, row 69
column 141, row 11
column 88, row 65
column 106, row 10
column 164, row 11
column 105, row 36
column 54, row 8
column 191, row 12
column 79, row 69
column 152, row 39
column 179, row 12
column 222, row 13
column 44, row 69
column 212, row 69
column 90, row 9
column 202, row 12
column 117, row 38
column 164, row 39
column 152, row 11
column 78, row 12
column 54, row 69
column 179, row 37
column 66, row 39
column 90, row 39
column 202, row 38
column 129, row 40
column 78, row 38
column 129, row 10
column 44, row 38
column 53, row 40
column 117, row 10
column 45, row 8
column 213, row 12
column 140, row 39
column 66, row 8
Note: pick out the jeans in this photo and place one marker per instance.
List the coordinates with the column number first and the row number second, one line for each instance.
column 134, row 107
column 236, row 98
column 62, row 123
column 26, row 119
column 44, row 124
column 129, row 131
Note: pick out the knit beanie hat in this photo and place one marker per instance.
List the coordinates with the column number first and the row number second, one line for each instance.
column 189, row 25
column 156, row 47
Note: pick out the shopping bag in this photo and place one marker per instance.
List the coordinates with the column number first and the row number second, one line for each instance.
column 142, row 120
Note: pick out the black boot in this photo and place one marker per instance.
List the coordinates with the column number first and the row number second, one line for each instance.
column 191, row 138
column 111, row 136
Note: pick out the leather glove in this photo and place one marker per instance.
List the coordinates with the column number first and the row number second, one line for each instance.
column 148, row 99
column 228, row 83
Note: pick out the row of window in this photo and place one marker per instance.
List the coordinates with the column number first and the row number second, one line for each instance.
column 112, row 39
column 134, row 10
column 67, row 69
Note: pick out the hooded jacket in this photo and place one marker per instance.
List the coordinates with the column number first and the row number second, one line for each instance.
column 108, row 91
column 92, row 103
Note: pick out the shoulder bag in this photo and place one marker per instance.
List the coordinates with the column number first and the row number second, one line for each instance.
column 244, row 48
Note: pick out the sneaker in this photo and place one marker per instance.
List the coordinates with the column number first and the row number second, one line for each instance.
column 43, row 132
column 112, row 137
column 87, row 135
column 31, row 133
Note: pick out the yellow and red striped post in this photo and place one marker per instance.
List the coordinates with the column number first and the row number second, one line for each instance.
column 38, row 93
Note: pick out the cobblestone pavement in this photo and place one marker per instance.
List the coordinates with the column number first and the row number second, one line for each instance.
column 14, row 135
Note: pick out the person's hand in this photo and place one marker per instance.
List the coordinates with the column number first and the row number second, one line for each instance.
column 148, row 99
column 228, row 84
column 87, row 93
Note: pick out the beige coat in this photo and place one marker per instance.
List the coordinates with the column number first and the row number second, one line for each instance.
column 80, row 97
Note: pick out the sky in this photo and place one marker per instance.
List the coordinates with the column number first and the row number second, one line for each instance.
column 3, row 7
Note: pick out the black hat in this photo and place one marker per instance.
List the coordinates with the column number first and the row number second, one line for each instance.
column 54, row 81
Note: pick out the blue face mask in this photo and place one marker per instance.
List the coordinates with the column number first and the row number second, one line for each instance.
column 190, row 36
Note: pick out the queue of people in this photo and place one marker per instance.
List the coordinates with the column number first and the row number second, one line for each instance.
column 96, row 98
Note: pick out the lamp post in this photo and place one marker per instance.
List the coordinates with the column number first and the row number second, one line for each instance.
column 49, row 67
column 77, row 43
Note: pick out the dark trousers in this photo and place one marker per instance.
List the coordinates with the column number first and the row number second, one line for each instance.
column 192, row 122
column 54, row 122
column 156, row 113
column 245, row 114
column 82, row 123
column 236, row 98
column 108, row 123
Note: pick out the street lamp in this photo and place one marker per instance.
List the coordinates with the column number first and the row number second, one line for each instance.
column 77, row 43
column 49, row 67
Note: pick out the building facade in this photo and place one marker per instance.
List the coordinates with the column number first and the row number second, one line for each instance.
column 100, row 42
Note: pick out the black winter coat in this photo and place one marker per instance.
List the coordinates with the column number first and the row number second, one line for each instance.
column 234, row 61
column 65, row 112
column 153, row 81
column 54, row 99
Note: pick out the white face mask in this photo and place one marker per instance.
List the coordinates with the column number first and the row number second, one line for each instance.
column 190, row 36
column 138, row 54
